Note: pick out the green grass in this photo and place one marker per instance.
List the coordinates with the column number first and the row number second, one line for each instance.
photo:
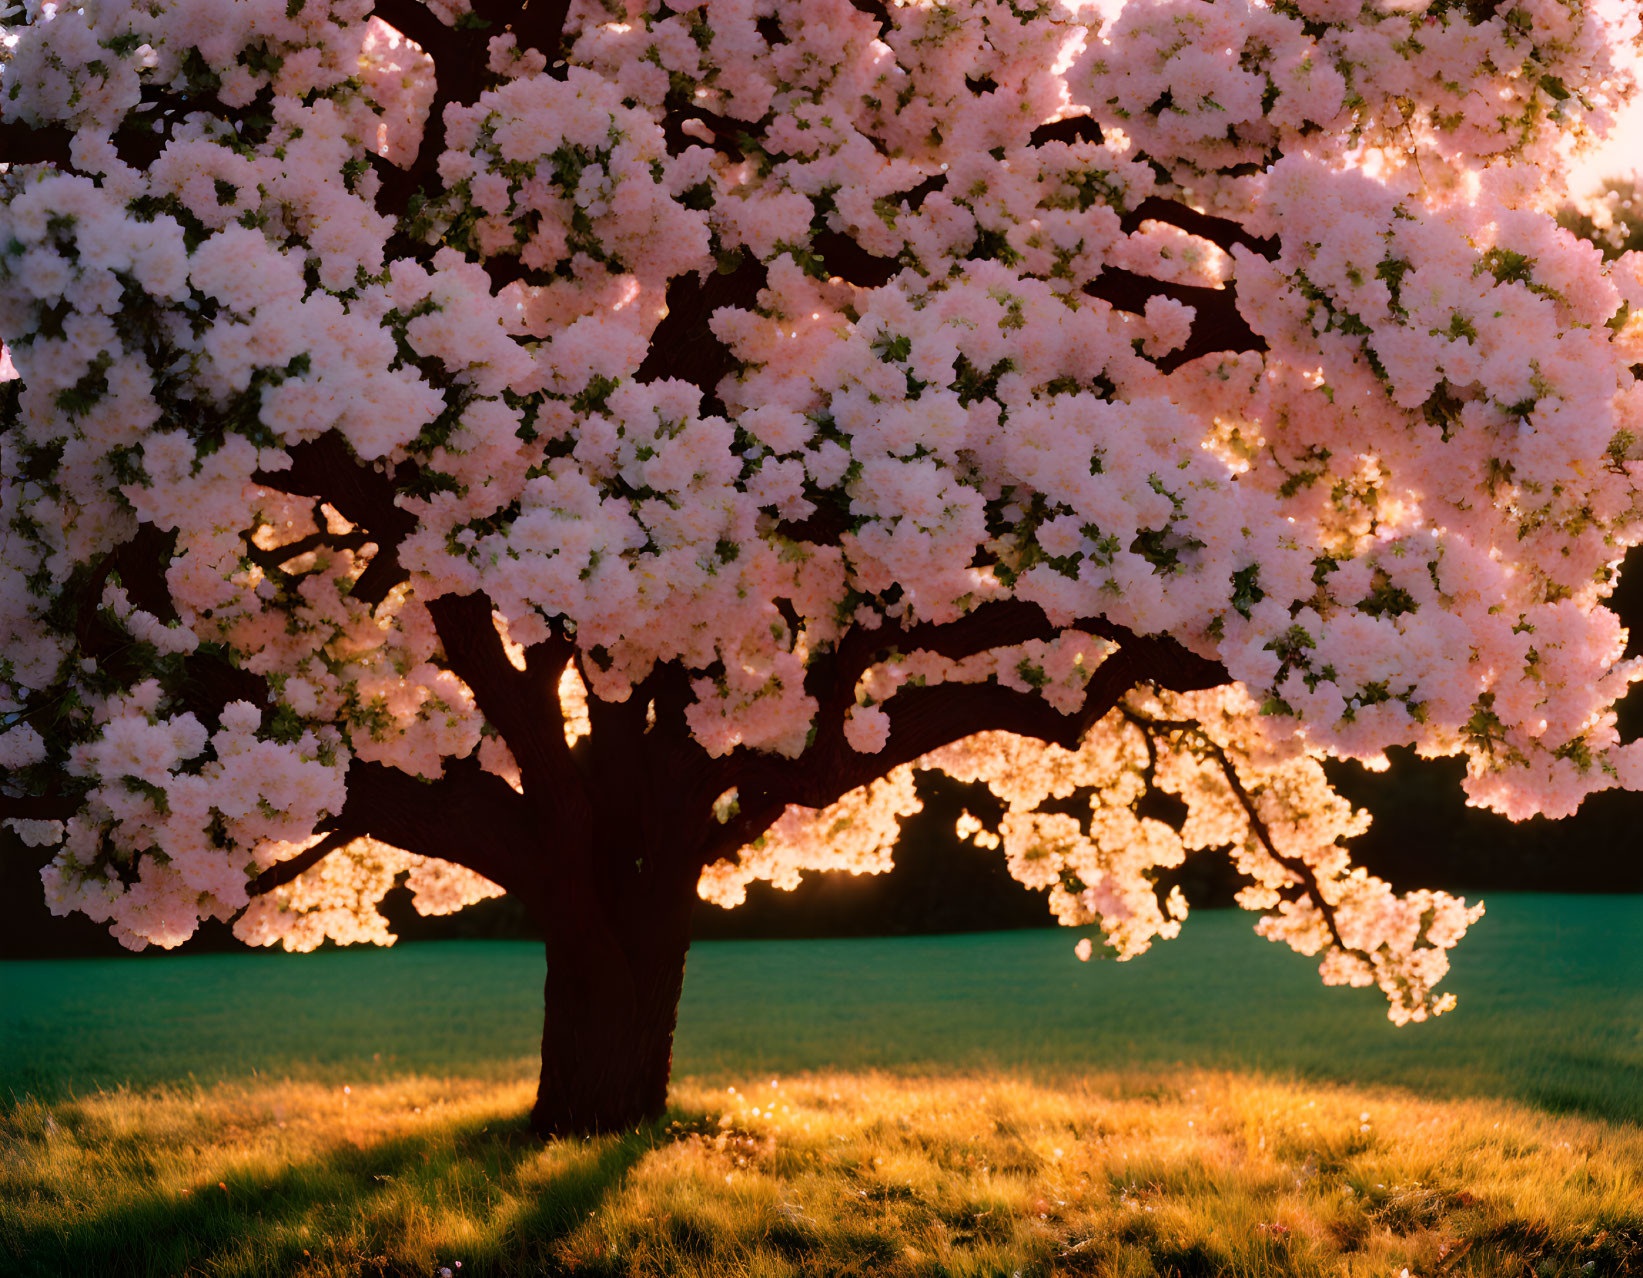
column 1550, row 988
column 973, row 1106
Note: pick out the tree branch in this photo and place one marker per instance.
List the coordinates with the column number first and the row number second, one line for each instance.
column 42, row 144
column 271, row 559
column 209, row 680
column 278, row 875
column 1304, row 874
column 1218, row 325
column 928, row 720
column 924, row 719
column 751, row 820
column 519, row 705
column 723, row 130
column 1001, row 624
column 878, row 10
column 684, row 346
column 1164, row 660
column 142, row 562
column 138, row 141
column 326, row 468
column 525, row 710
column 468, row 817
column 851, row 262
column 416, row 22
column 1220, row 231
column 459, row 75
column 1157, row 658
column 540, row 25
column 461, row 57
column 38, row 807
column 1078, row 128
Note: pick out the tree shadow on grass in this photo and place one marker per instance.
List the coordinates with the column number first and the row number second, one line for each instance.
column 486, row 1192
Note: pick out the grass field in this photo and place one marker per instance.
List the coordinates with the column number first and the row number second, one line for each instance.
column 965, row 1105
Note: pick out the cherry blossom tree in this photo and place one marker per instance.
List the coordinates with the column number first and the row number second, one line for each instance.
column 598, row 451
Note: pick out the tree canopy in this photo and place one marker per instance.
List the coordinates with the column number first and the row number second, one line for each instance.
column 584, row 449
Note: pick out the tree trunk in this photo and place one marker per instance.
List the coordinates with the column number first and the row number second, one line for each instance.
column 612, row 999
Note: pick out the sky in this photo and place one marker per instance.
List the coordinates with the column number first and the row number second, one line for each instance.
column 1621, row 155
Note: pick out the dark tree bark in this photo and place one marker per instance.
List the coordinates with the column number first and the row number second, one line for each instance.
column 611, row 1001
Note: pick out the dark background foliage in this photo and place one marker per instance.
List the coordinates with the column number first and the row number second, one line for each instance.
column 1624, row 234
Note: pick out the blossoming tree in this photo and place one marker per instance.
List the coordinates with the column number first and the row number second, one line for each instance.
column 598, row 450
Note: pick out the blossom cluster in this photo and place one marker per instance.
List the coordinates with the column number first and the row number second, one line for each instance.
column 856, row 835
column 1214, row 89
column 1271, row 811
column 338, row 899
column 185, row 812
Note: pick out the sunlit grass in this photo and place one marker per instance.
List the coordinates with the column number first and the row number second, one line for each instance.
column 1132, row 1172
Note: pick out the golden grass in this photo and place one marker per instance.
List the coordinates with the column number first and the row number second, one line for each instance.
column 1125, row 1173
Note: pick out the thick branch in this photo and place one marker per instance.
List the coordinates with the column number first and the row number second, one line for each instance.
column 752, row 819
column 723, row 131
column 468, row 817
column 46, row 144
column 210, row 681
column 277, row 876
column 1006, row 623
column 270, row 560
column 878, row 10
column 138, row 141
column 924, row 719
column 921, row 720
column 1001, row 624
column 416, row 22
column 1164, row 662
column 459, row 76
column 914, row 199
column 142, row 563
column 38, row 807
column 520, row 705
column 1218, row 325
column 502, row 268
column 843, row 257
column 832, row 680
column 461, row 73
column 1078, row 128
column 927, row 720
column 525, row 710
column 684, row 346
column 540, row 25
column 1221, row 231
column 326, row 468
